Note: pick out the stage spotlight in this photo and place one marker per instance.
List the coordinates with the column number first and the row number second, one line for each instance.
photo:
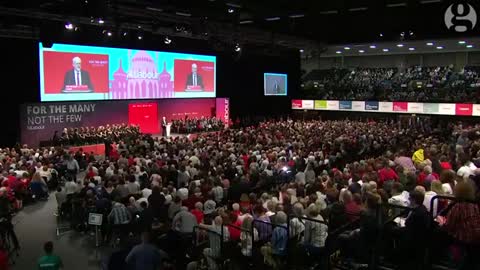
column 461, row 42
column 301, row 50
column 347, row 48
column 167, row 40
column 238, row 48
column 400, row 45
column 385, row 50
column 230, row 10
column 125, row 33
column 381, row 34
column 338, row 52
column 139, row 37
column 439, row 47
column 101, row 21
column 469, row 46
column 373, row 47
column 402, row 34
column 410, row 33
column 429, row 43
column 411, row 49
column 69, row 26
column 361, row 51
column 109, row 33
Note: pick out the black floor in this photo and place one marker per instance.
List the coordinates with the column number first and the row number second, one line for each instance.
column 36, row 224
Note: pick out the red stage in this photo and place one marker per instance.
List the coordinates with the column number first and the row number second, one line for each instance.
column 97, row 149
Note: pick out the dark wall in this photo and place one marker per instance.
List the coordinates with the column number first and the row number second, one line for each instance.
column 241, row 79
column 239, row 75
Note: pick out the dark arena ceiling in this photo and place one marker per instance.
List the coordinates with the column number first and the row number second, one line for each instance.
column 294, row 24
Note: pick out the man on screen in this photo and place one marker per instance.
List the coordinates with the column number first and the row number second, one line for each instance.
column 76, row 79
column 276, row 88
column 194, row 80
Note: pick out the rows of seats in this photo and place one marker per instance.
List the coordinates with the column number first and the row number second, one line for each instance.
column 416, row 83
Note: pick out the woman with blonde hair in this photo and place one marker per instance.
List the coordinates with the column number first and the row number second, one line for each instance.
column 447, row 177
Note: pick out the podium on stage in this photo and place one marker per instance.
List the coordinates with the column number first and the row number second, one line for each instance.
column 76, row 89
column 168, row 127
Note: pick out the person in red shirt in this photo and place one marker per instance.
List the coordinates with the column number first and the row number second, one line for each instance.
column 234, row 230
column 427, row 175
column 197, row 212
column 387, row 173
column 131, row 162
column 236, row 210
column 11, row 178
column 193, row 199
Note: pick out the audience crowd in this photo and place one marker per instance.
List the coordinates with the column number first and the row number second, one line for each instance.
column 258, row 193
column 94, row 135
column 422, row 84
column 191, row 125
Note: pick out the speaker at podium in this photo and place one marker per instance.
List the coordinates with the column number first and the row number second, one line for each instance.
column 166, row 127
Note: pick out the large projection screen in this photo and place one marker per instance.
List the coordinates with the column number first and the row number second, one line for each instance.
column 76, row 72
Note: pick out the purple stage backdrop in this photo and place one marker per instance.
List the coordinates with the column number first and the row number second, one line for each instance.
column 39, row 121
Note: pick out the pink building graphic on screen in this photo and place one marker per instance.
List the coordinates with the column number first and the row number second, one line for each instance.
column 142, row 80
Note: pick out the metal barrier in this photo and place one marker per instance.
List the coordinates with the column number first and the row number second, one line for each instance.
column 216, row 246
column 269, row 233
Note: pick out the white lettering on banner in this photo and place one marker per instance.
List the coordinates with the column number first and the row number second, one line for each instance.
column 58, row 108
column 39, row 117
column 74, row 108
column 73, row 118
column 227, row 112
column 36, row 110
column 142, row 75
column 36, row 120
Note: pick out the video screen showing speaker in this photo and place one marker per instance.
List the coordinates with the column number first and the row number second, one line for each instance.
column 275, row 84
column 76, row 72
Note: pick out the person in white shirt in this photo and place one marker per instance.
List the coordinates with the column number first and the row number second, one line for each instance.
column 468, row 168
column 246, row 241
column 110, row 170
column 146, row 192
column 297, row 226
column 399, row 196
column 71, row 187
column 45, row 173
column 429, row 194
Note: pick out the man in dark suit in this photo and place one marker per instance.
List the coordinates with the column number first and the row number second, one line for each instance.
column 194, row 79
column 77, row 76
column 415, row 236
column 276, row 88
column 164, row 126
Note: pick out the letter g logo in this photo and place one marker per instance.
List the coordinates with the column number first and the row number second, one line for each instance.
column 460, row 17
